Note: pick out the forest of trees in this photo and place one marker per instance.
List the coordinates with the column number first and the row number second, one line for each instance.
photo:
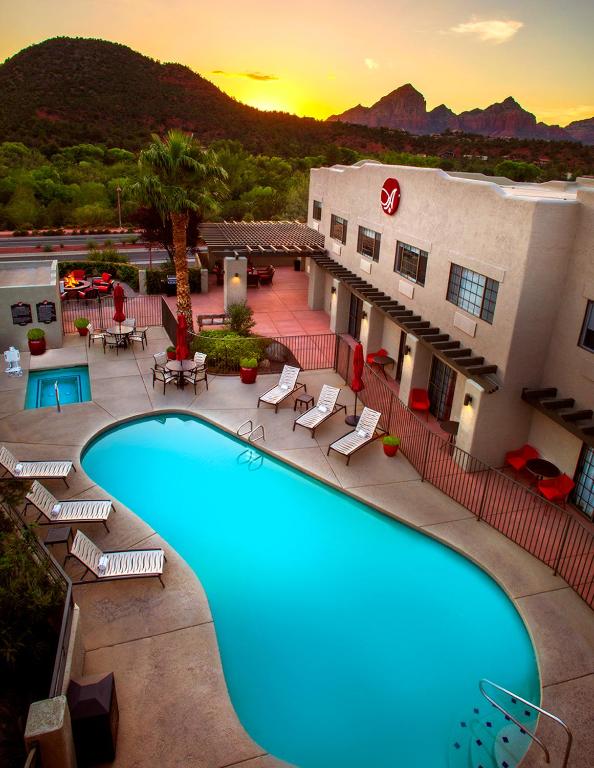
column 77, row 186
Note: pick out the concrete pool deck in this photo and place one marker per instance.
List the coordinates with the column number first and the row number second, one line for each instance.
column 161, row 644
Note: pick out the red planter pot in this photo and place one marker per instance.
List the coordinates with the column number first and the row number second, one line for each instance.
column 390, row 450
column 37, row 347
column 171, row 355
column 82, row 331
column 248, row 375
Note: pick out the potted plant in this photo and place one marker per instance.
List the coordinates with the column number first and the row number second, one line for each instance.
column 36, row 338
column 170, row 353
column 82, row 325
column 248, row 369
column 390, row 444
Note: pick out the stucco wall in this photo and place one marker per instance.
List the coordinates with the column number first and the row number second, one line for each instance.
column 16, row 335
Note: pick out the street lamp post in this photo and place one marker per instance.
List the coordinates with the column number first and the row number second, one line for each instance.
column 119, row 192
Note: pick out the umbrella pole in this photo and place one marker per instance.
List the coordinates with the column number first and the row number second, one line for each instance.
column 355, row 411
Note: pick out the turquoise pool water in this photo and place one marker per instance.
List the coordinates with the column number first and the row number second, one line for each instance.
column 73, row 384
column 347, row 639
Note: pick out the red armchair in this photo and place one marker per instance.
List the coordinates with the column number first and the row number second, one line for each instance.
column 419, row 401
column 517, row 459
column 556, row 489
column 370, row 355
column 103, row 284
column 78, row 274
column 266, row 274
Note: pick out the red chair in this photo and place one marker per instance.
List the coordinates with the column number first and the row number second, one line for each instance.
column 556, row 489
column 419, row 401
column 266, row 274
column 370, row 355
column 517, row 459
column 78, row 274
column 103, row 284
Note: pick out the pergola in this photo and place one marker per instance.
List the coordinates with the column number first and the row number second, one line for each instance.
column 278, row 238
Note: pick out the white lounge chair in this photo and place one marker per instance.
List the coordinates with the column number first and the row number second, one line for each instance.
column 363, row 433
column 160, row 359
column 200, row 359
column 41, row 470
column 71, row 511
column 107, row 565
column 95, row 333
column 322, row 410
column 287, row 385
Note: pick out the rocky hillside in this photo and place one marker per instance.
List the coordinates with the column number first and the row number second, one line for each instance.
column 406, row 109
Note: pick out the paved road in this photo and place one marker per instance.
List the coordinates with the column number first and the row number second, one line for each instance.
column 6, row 243
column 138, row 256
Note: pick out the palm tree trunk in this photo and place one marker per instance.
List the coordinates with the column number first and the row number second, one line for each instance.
column 179, row 223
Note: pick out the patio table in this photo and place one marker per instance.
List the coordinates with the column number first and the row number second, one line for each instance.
column 382, row 361
column 121, row 332
column 179, row 367
column 541, row 468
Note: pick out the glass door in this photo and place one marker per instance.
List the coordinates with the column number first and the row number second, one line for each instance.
column 355, row 309
column 442, row 383
column 583, row 493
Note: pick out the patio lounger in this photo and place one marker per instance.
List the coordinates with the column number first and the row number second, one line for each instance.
column 363, row 433
column 42, row 470
column 200, row 359
column 71, row 511
column 107, row 565
column 287, row 385
column 322, row 410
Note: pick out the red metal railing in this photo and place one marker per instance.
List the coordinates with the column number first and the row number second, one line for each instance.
column 547, row 531
column 145, row 309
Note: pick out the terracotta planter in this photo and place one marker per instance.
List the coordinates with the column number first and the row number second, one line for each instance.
column 171, row 355
column 82, row 331
column 248, row 375
column 37, row 347
column 390, row 450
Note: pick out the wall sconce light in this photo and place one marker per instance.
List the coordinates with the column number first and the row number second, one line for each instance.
column 333, row 289
column 236, row 279
column 236, row 274
column 467, row 399
column 406, row 349
column 364, row 315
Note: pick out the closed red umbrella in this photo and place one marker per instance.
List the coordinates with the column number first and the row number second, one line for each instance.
column 118, row 302
column 357, row 381
column 181, row 347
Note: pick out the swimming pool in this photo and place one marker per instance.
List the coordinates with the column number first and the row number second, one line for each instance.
column 347, row 639
column 73, row 385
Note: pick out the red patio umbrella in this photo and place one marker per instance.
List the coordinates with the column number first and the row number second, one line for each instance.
column 181, row 347
column 357, row 381
column 118, row 302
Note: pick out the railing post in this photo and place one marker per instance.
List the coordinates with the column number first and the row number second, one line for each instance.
column 562, row 545
column 482, row 504
column 426, row 457
column 336, row 350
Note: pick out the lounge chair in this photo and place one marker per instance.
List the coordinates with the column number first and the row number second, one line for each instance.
column 200, row 359
column 71, row 511
column 107, row 565
column 95, row 333
column 322, row 410
column 165, row 376
column 160, row 359
column 40, row 470
column 363, row 434
column 287, row 385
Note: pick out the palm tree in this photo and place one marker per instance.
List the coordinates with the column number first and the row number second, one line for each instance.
column 178, row 176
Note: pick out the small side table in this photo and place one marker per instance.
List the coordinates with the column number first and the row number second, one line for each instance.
column 59, row 534
column 303, row 400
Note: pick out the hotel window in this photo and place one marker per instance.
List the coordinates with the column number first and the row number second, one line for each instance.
column 317, row 210
column 411, row 262
column 475, row 293
column 587, row 334
column 368, row 243
column 338, row 228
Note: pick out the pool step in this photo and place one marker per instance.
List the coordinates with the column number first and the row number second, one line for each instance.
column 488, row 739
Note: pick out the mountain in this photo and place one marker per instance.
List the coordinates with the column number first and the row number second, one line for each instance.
column 582, row 130
column 67, row 91
column 405, row 109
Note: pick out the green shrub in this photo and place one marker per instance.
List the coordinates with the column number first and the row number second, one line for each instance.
column 390, row 440
column 225, row 349
column 248, row 362
column 47, row 248
column 110, row 255
column 170, row 348
column 241, row 318
column 35, row 334
column 81, row 322
column 92, row 245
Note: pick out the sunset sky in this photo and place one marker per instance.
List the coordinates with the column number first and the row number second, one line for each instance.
column 319, row 58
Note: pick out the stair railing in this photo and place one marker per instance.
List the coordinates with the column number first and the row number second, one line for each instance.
column 521, row 726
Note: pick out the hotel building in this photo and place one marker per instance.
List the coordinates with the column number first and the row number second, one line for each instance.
column 482, row 292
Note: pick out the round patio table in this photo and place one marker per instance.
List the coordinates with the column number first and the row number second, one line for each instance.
column 542, row 468
column 179, row 367
column 82, row 285
column 451, row 429
column 383, row 361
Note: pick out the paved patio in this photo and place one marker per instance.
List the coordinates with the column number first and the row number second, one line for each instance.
column 280, row 309
column 161, row 644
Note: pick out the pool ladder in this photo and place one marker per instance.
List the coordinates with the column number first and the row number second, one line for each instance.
column 57, row 392
column 483, row 683
column 252, row 434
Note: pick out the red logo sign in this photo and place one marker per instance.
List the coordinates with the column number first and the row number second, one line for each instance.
column 390, row 196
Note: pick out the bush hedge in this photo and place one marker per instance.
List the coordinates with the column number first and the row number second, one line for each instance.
column 225, row 349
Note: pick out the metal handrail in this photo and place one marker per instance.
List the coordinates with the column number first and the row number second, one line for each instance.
column 262, row 436
column 248, row 431
column 57, row 391
column 522, row 727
